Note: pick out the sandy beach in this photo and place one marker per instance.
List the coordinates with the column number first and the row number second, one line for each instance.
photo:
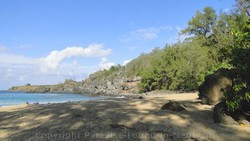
column 128, row 119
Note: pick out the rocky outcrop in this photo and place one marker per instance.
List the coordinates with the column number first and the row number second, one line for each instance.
column 211, row 91
column 69, row 86
column 110, row 85
column 94, row 85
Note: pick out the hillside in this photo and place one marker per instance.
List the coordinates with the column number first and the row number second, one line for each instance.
column 120, row 79
column 116, row 80
column 169, row 68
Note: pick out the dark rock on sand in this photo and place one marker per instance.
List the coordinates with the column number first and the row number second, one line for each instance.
column 140, row 97
column 173, row 106
column 221, row 116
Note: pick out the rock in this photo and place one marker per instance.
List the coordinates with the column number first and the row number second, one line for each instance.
column 244, row 123
column 140, row 97
column 135, row 79
column 115, row 83
column 221, row 116
column 138, row 78
column 36, row 103
column 173, row 106
column 125, row 88
column 211, row 90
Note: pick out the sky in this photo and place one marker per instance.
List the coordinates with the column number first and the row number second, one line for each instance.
column 48, row 41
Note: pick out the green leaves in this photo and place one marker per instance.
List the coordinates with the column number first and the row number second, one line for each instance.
column 180, row 67
column 240, row 60
column 228, row 37
column 202, row 23
column 247, row 96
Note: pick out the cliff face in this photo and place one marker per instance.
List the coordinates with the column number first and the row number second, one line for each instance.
column 112, row 84
column 94, row 85
column 119, row 79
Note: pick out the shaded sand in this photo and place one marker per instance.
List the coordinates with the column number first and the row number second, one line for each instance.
column 129, row 119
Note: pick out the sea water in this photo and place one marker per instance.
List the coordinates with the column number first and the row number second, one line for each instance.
column 8, row 98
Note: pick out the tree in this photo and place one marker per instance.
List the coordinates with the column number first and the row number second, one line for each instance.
column 243, row 6
column 181, row 66
column 202, row 23
column 239, row 96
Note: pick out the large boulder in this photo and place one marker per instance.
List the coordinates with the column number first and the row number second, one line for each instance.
column 211, row 90
column 222, row 116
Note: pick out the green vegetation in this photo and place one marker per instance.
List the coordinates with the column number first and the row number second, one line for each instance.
column 132, row 69
column 106, row 73
column 239, row 97
column 218, row 41
column 180, row 67
column 111, row 70
column 183, row 66
column 69, row 86
column 143, row 62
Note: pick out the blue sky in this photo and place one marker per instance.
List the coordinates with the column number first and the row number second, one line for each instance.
column 47, row 41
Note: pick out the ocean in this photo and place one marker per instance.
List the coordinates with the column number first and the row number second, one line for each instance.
column 14, row 98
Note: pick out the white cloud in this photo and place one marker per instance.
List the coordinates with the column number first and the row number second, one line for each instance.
column 105, row 64
column 22, row 77
column 9, row 73
column 126, row 62
column 16, row 59
column 2, row 48
column 104, row 59
column 53, row 60
column 146, row 33
column 53, row 68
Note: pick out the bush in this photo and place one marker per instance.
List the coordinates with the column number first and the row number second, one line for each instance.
column 180, row 67
column 240, row 60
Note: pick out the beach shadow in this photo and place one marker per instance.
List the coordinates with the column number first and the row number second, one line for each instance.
column 125, row 119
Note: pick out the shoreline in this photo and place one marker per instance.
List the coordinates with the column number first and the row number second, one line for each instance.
column 24, row 98
column 149, row 94
column 128, row 118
